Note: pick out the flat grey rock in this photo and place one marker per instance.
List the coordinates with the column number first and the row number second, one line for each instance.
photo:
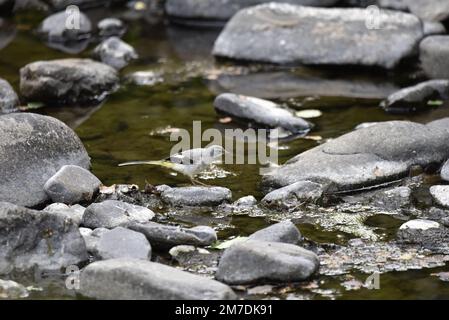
column 115, row 53
column 132, row 279
column 37, row 239
column 67, row 81
column 259, row 111
column 285, row 232
column 224, row 9
column 283, row 33
column 441, row 195
column 123, row 243
column 164, row 237
column 9, row 101
column 196, row 196
column 72, row 184
column 367, row 157
column 113, row 213
column 32, row 149
column 254, row 261
column 293, row 194
column 434, row 56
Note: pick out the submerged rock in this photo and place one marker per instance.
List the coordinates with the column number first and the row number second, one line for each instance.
column 131, row 279
column 122, row 243
column 260, row 111
column 196, row 196
column 224, row 9
column 259, row 261
column 441, row 195
column 115, row 52
column 378, row 154
column 32, row 149
column 112, row 213
column 111, row 27
column 72, row 184
column 278, row 84
column 67, row 81
column 445, row 171
column 37, row 239
column 434, row 56
column 284, row 33
column 293, row 194
column 9, row 101
column 285, row 232
column 164, row 237
column 416, row 97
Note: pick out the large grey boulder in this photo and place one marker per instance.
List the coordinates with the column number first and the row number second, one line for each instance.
column 123, row 243
column 72, row 184
column 254, row 261
column 434, row 56
column 377, row 154
column 32, row 149
column 113, row 213
column 196, row 196
column 224, row 9
column 285, row 232
column 32, row 239
column 417, row 97
column 131, row 279
column 67, row 81
column 164, row 237
column 9, row 101
column 115, row 53
column 284, row 33
column 432, row 10
column 259, row 111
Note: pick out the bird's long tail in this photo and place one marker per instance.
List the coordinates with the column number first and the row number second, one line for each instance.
column 162, row 163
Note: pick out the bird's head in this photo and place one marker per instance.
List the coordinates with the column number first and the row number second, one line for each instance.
column 216, row 151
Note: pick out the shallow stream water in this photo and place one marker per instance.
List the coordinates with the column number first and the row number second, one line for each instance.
column 135, row 124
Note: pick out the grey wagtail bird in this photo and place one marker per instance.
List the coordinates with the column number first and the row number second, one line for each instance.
column 190, row 162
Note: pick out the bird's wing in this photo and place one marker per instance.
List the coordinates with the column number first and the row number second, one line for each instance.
column 190, row 157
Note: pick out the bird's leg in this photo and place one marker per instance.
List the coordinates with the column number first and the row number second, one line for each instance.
column 196, row 182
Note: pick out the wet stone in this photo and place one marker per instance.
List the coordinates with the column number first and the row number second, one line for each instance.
column 196, row 196
column 255, row 261
column 124, row 279
column 9, row 101
column 115, row 53
column 74, row 212
column 291, row 195
column 260, row 111
column 111, row 27
column 285, row 232
column 164, row 237
column 12, row 290
column 112, row 213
